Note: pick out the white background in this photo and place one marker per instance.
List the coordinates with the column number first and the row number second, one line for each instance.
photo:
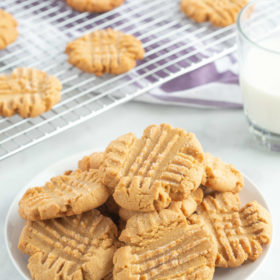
column 221, row 132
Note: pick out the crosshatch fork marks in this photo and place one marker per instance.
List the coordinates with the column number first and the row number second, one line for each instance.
column 64, row 195
column 239, row 233
column 163, row 246
column 69, row 244
column 152, row 170
column 105, row 51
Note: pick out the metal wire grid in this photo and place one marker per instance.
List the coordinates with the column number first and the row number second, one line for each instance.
column 174, row 45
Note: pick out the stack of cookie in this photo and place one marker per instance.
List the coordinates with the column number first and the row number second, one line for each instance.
column 166, row 210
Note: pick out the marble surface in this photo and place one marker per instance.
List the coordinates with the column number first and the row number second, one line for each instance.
column 222, row 132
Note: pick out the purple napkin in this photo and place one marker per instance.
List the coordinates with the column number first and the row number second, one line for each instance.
column 213, row 85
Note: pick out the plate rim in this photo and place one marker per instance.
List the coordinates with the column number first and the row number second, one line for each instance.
column 88, row 152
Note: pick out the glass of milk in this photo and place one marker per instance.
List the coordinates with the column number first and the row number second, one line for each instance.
column 259, row 57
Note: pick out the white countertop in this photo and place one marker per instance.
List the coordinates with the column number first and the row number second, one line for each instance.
column 222, row 132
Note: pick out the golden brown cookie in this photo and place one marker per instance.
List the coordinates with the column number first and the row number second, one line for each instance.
column 64, row 195
column 146, row 174
column 105, row 51
column 94, row 6
column 187, row 207
column 8, row 29
column 218, row 12
column 28, row 92
column 221, row 176
column 164, row 246
column 238, row 233
column 77, row 247
column 92, row 161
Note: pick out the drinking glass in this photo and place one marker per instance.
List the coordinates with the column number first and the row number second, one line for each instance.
column 258, row 28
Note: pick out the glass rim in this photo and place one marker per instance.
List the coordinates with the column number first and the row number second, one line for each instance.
column 243, row 33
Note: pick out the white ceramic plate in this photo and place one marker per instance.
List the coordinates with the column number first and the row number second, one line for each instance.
column 14, row 223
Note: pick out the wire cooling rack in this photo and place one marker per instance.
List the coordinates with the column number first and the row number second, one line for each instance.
column 174, row 45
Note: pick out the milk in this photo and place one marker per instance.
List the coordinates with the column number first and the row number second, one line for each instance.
column 260, row 84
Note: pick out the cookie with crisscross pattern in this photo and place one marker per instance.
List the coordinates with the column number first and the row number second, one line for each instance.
column 94, row 6
column 239, row 233
column 64, row 195
column 8, row 29
column 147, row 173
column 105, row 51
column 28, row 92
column 164, row 246
column 218, row 12
column 78, row 247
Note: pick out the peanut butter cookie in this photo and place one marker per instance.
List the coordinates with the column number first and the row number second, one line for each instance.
column 218, row 12
column 28, row 92
column 146, row 174
column 238, row 232
column 77, row 247
column 64, row 195
column 8, row 29
column 94, row 6
column 164, row 246
column 105, row 51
